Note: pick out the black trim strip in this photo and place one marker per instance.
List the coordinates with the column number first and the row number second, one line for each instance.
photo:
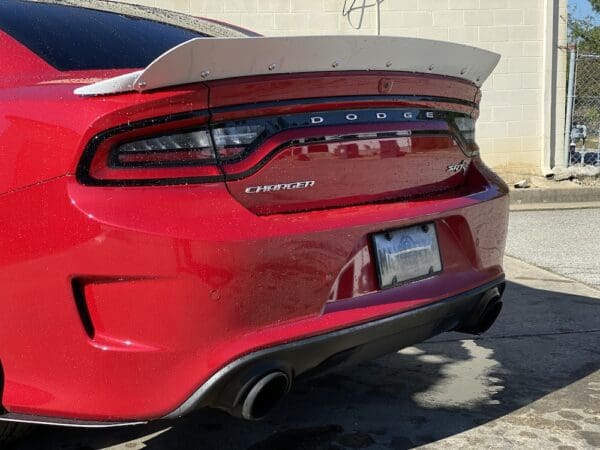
column 275, row 124
column 63, row 422
column 82, row 308
column 152, row 182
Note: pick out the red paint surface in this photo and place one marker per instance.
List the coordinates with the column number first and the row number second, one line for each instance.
column 180, row 280
column 353, row 171
column 286, row 87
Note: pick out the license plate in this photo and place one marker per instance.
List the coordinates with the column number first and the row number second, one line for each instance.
column 406, row 255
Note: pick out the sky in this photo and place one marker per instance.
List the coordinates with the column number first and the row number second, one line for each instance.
column 582, row 8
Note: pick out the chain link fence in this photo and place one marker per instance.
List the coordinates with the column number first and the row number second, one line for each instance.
column 584, row 149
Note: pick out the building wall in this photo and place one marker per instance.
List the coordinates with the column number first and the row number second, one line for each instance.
column 522, row 113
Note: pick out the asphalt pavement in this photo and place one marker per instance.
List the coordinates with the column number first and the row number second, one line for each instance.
column 532, row 381
column 566, row 242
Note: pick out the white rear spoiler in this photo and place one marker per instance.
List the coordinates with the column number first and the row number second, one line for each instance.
column 204, row 59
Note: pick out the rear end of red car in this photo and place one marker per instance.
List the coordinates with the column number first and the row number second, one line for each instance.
column 207, row 244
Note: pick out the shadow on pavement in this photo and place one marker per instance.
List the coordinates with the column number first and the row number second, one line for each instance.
column 543, row 341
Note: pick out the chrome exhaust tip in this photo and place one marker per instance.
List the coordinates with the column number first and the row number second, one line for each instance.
column 265, row 395
column 484, row 315
column 489, row 316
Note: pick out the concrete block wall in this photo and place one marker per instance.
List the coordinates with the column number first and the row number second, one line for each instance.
column 522, row 114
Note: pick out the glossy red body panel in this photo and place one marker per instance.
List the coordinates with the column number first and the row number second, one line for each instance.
column 17, row 61
column 126, row 245
column 180, row 280
column 285, row 87
column 352, row 171
column 41, row 140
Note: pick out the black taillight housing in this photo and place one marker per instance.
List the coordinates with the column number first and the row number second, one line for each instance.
column 172, row 150
column 465, row 126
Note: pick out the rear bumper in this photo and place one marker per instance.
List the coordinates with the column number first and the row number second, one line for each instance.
column 317, row 354
column 341, row 347
column 177, row 282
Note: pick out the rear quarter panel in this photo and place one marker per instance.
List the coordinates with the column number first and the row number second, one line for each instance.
column 44, row 126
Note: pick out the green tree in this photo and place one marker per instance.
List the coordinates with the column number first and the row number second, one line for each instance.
column 586, row 32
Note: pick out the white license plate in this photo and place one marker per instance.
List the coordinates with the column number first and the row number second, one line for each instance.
column 407, row 254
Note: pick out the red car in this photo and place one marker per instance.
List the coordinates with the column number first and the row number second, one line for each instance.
column 193, row 216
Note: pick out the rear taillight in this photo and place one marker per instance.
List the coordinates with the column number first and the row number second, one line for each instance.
column 163, row 152
column 192, row 147
column 466, row 130
column 185, row 149
column 231, row 141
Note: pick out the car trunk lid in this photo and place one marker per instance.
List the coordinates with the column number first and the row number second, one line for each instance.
column 302, row 123
column 333, row 140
